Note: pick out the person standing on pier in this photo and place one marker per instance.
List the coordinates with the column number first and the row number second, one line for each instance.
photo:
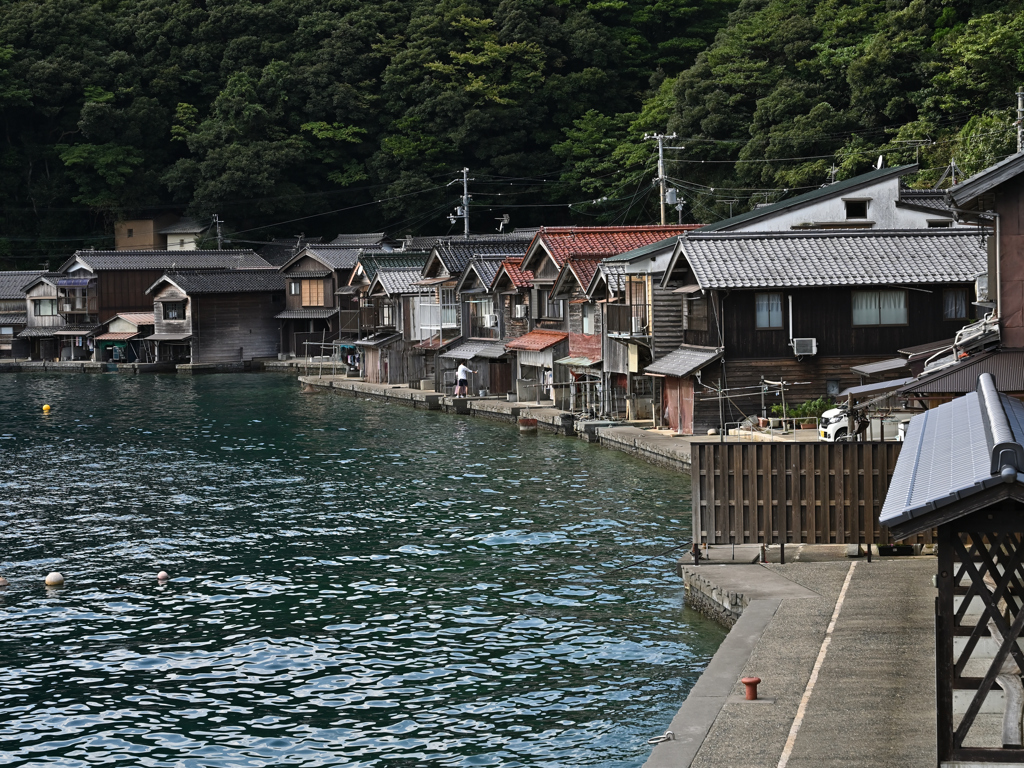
column 462, row 379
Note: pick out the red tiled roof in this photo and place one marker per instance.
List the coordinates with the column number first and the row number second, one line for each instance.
column 585, row 345
column 520, row 278
column 565, row 242
column 584, row 269
column 538, row 340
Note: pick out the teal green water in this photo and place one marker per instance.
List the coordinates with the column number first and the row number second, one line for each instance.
column 352, row 583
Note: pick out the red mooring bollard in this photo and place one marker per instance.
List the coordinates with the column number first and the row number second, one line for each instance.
column 751, row 683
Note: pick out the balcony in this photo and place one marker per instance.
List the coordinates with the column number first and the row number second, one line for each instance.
column 628, row 320
column 435, row 317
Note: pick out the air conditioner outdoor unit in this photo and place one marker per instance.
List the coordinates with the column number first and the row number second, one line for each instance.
column 638, row 325
column 519, row 310
column 803, row 347
column 490, row 321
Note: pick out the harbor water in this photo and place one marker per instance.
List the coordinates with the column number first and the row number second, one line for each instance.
column 351, row 583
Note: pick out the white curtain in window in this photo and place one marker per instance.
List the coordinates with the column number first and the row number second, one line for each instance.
column 865, row 307
column 769, row 310
column 955, row 305
column 892, row 307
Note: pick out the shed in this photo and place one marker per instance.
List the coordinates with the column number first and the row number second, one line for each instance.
column 961, row 471
column 679, row 369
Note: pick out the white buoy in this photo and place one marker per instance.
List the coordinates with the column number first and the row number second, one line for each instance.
column 162, row 576
column 3, row 581
column 54, row 579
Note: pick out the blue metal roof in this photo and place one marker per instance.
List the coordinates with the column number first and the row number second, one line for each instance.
column 954, row 451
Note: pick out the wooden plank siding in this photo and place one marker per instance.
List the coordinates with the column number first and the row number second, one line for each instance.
column 125, row 291
column 234, row 326
column 667, row 322
column 815, row 493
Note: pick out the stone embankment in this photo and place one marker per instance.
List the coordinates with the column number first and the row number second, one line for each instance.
column 723, row 605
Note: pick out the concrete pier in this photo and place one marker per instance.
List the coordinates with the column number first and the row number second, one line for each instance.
column 872, row 699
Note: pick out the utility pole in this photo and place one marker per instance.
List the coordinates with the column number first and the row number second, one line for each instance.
column 1020, row 121
column 462, row 211
column 220, row 237
column 660, row 138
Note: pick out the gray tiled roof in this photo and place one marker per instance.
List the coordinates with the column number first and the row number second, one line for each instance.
column 12, row 283
column 486, row 269
column 829, row 190
column 371, row 262
column 932, row 199
column 228, row 281
column 455, row 254
column 1005, row 365
column 397, row 280
column 614, row 274
column 280, row 251
column 13, row 318
column 336, row 257
column 490, row 350
column 38, row 332
column 684, row 361
column 312, row 313
column 643, row 251
column 99, row 261
column 361, row 240
column 865, row 257
column 953, row 451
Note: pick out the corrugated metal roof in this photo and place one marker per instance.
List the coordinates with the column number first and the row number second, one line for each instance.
column 12, row 283
column 863, row 257
column 117, row 336
column 829, row 190
column 313, row 313
column 1005, row 365
column 882, row 366
column 877, row 387
column 138, row 318
column 578, row 362
column 169, row 337
column 684, row 361
column 954, row 451
column 378, row 340
column 537, row 340
column 490, row 350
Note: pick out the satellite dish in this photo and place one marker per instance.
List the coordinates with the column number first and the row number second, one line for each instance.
column 881, row 162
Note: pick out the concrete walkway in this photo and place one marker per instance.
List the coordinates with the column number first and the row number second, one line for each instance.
column 873, row 700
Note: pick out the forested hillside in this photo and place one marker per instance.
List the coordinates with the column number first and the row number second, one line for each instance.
column 278, row 112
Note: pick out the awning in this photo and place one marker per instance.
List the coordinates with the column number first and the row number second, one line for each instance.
column 537, row 339
column 882, row 366
column 684, row 361
column 577, row 362
column 37, row 333
column 687, row 289
column 169, row 337
column 346, row 290
column 117, row 336
column 878, row 387
column 378, row 340
column 73, row 331
column 313, row 313
column 73, row 282
column 471, row 349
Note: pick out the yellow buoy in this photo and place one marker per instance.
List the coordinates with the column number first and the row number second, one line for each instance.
column 46, row 409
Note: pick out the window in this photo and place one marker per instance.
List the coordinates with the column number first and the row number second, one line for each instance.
column 695, row 314
column 295, row 288
column 174, row 310
column 856, row 209
column 589, row 313
column 483, row 322
column 954, row 304
column 769, row 310
column 312, row 293
column 939, row 224
column 44, row 307
column 880, row 307
column 7, row 331
column 181, row 243
column 131, row 232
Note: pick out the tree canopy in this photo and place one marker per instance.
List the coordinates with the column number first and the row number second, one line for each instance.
column 346, row 115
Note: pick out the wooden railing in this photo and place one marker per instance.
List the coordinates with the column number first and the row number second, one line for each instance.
column 348, row 321
column 816, row 493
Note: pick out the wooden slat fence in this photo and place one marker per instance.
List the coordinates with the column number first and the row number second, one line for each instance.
column 815, row 493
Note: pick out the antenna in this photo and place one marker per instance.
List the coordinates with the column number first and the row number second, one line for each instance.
column 505, row 219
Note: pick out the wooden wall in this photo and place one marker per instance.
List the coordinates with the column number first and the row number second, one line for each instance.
column 125, row 291
column 816, row 493
column 667, row 323
column 234, row 326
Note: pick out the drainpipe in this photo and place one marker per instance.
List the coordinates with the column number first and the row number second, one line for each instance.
column 999, row 266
